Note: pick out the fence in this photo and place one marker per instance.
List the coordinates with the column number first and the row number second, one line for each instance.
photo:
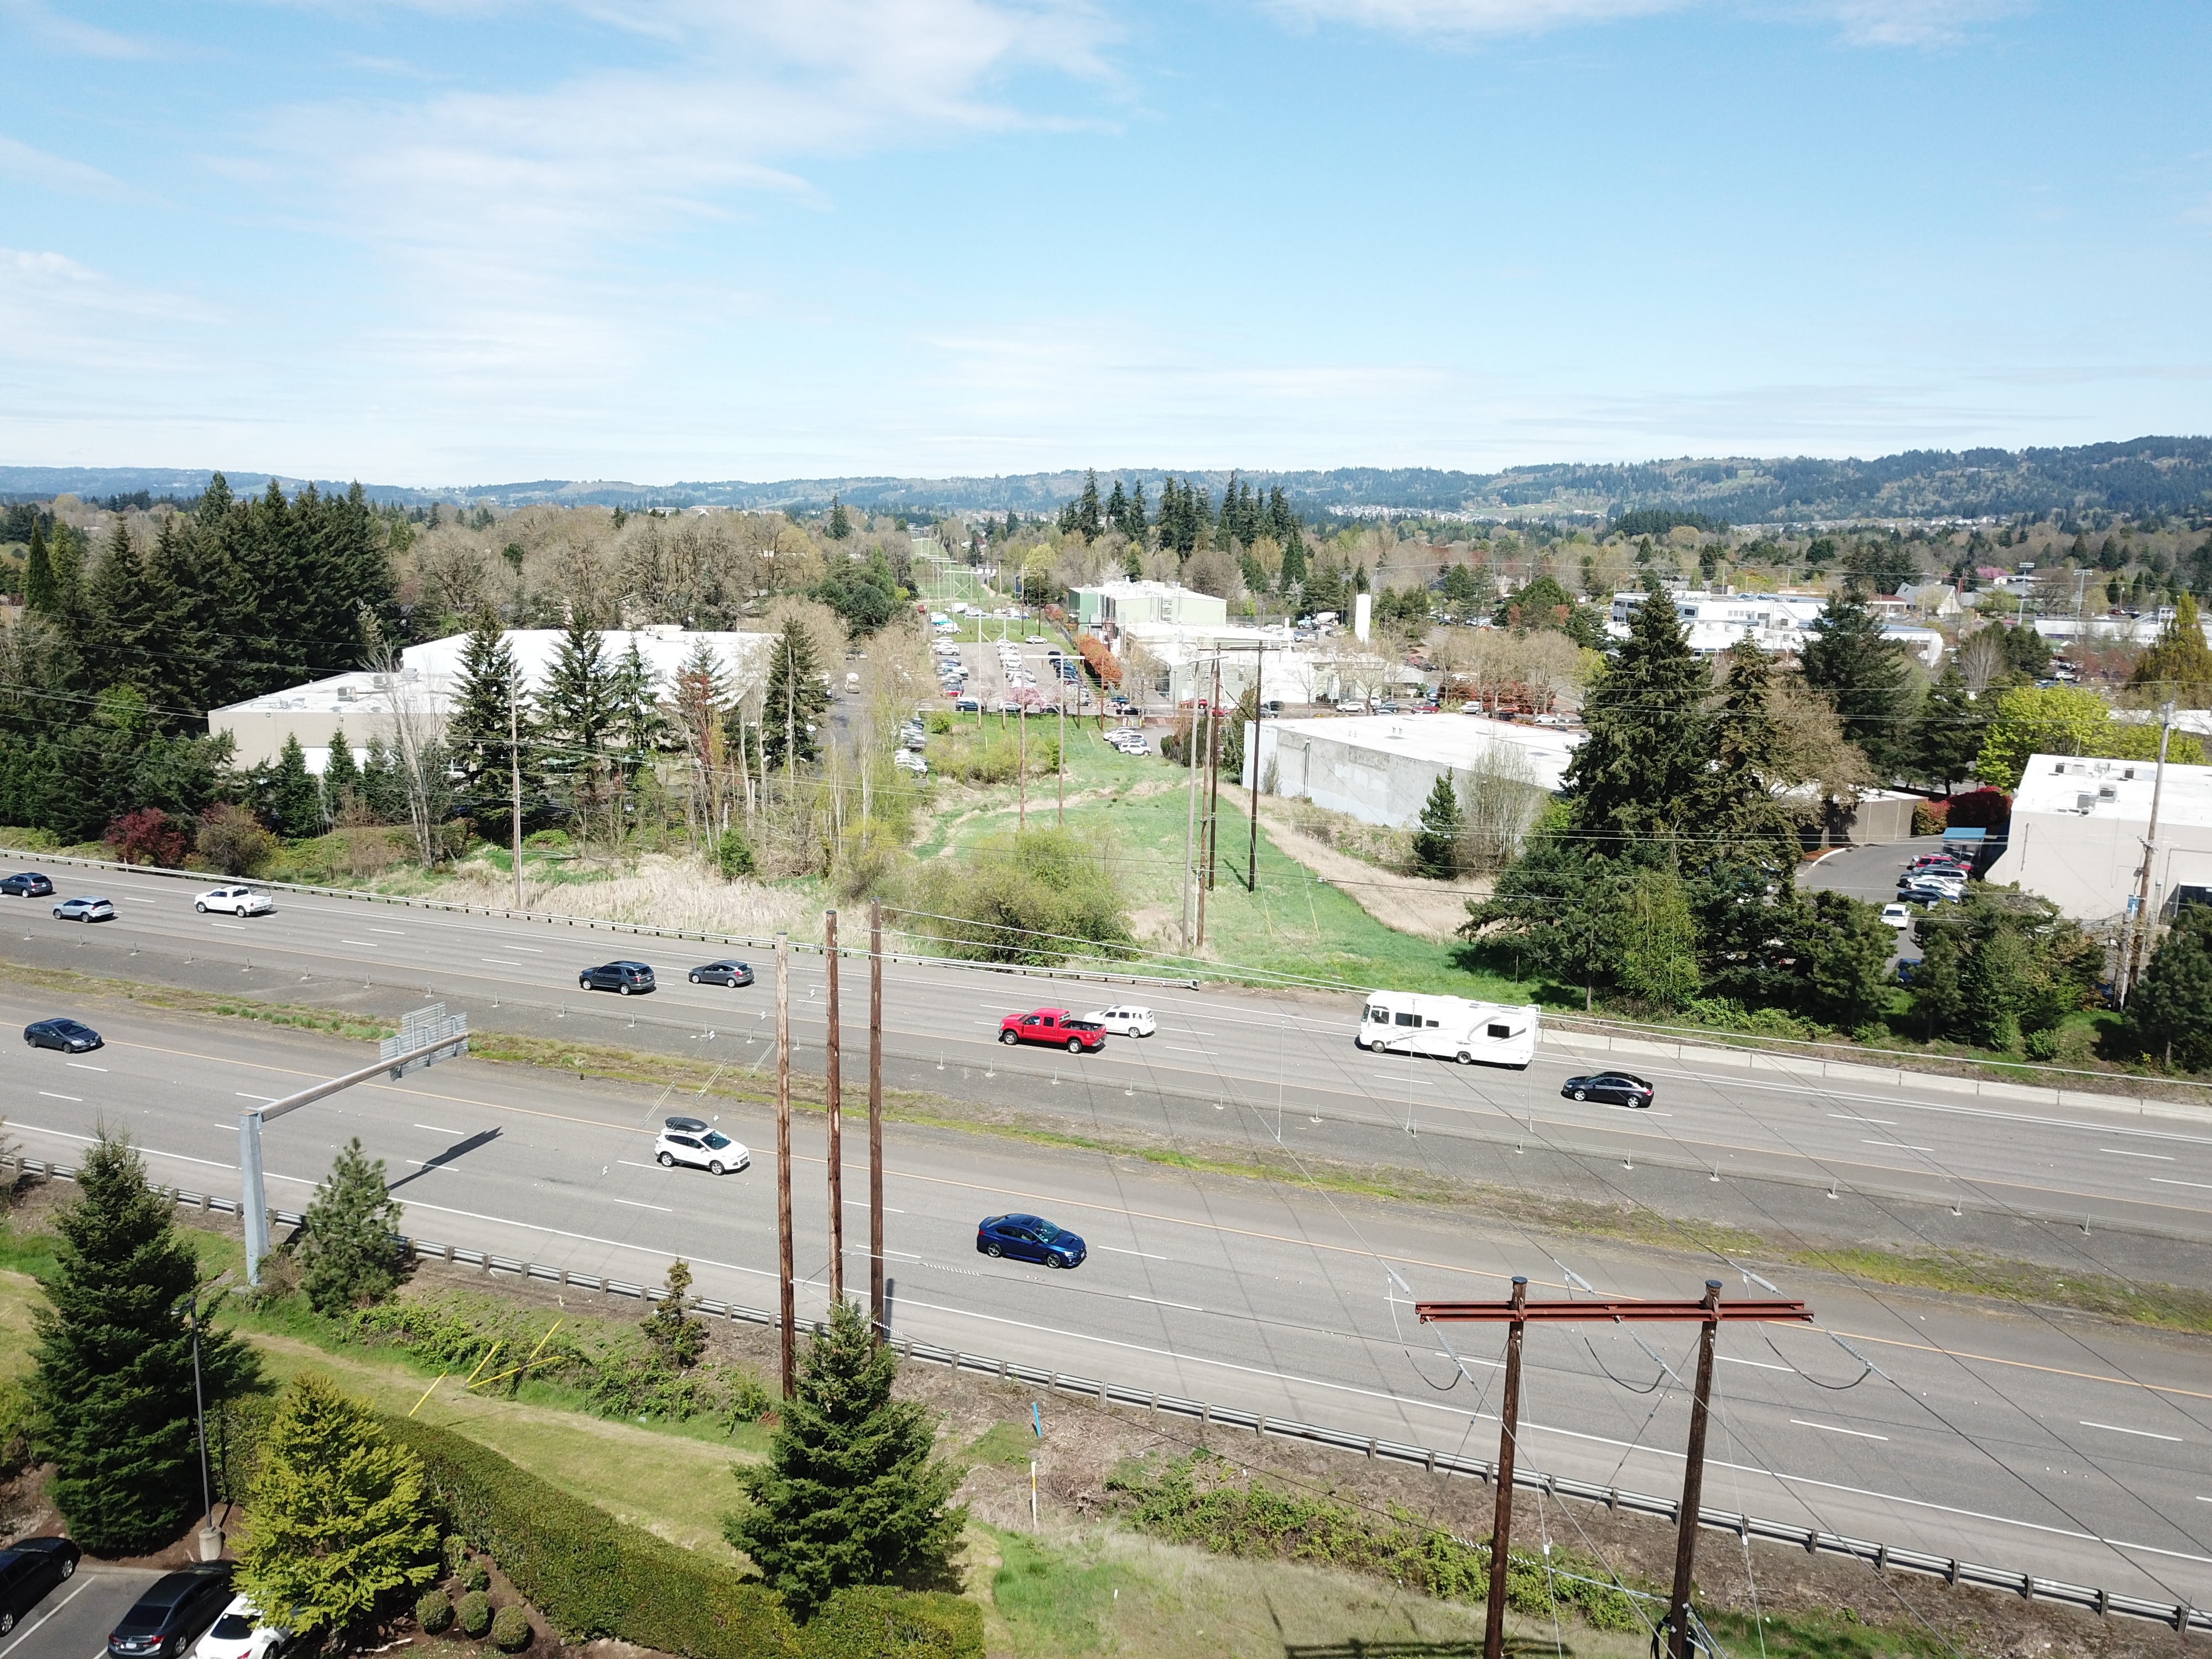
column 1882, row 1558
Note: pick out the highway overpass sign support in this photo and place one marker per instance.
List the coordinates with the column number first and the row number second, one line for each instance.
column 426, row 1036
column 1517, row 1313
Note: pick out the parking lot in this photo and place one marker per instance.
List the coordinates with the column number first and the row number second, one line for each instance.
column 1006, row 675
column 73, row 1621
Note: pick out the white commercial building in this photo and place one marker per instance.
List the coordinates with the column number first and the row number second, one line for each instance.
column 2078, row 828
column 364, row 704
column 1112, row 605
column 1380, row 768
column 1174, row 663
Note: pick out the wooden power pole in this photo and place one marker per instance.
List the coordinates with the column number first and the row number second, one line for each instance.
column 1516, row 1314
column 875, row 1118
column 788, row 1303
column 834, row 1096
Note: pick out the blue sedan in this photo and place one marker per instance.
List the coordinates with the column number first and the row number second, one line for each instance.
column 1029, row 1238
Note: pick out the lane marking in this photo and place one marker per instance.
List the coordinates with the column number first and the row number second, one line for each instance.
column 1856, row 1434
column 2168, row 1181
column 264, row 1099
column 82, row 1066
column 239, row 926
column 1763, row 1365
column 2114, row 1428
column 1161, row 1302
column 394, row 931
column 365, row 944
column 1117, row 1250
column 1853, row 1117
column 2114, row 1151
column 496, row 963
column 634, row 1204
column 48, row 1095
column 1897, row 1145
column 439, row 1128
column 626, row 1164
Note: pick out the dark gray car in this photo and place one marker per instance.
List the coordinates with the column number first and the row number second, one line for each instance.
column 726, row 972
column 627, row 978
column 28, row 1569
column 163, row 1621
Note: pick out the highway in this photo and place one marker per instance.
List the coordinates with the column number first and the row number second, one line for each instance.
column 2063, row 1446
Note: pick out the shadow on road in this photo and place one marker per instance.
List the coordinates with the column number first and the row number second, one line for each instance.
column 459, row 1148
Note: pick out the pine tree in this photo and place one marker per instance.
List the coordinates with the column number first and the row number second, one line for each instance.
column 111, row 1387
column 343, row 1518
column 850, row 1493
column 577, row 701
column 120, row 614
column 1135, row 525
column 293, row 801
column 637, row 730
column 2177, row 667
column 1436, row 843
column 1948, row 737
column 840, row 522
column 2170, row 1015
column 491, row 707
column 675, row 1336
column 1739, row 805
column 795, row 697
column 39, row 593
column 1088, row 522
column 1866, row 677
column 382, row 791
column 1640, row 772
column 351, row 1251
column 341, row 779
column 1117, row 509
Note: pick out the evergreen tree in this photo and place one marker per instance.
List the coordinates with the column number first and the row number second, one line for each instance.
column 1948, row 737
column 2177, row 667
column 1117, row 509
column 122, row 619
column 291, row 799
column 1842, row 947
column 1867, row 679
column 39, row 593
column 1639, row 773
column 1089, row 522
column 111, row 1384
column 351, row 1249
column 1436, row 843
column 1740, row 808
column 492, row 723
column 637, row 730
column 796, row 698
column 1135, row 525
column 382, row 791
column 840, row 522
column 341, row 779
column 850, row 1493
column 678, row 1337
column 1993, row 986
column 578, row 702
column 343, row 1518
column 186, row 660
column 2170, row 1015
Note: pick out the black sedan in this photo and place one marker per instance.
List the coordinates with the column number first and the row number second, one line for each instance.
column 70, row 1036
column 1619, row 1088
column 30, row 1567
column 174, row 1609
column 1029, row 1238
column 722, row 972
column 29, row 883
column 627, row 978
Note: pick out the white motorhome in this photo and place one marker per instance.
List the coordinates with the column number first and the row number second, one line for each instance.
column 1450, row 1028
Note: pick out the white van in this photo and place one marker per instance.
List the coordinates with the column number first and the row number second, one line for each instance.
column 1450, row 1028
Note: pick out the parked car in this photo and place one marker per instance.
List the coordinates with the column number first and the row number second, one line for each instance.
column 1029, row 1238
column 909, row 760
column 627, row 978
column 1897, row 915
column 30, row 1567
column 728, row 971
column 238, row 1633
column 1055, row 1026
column 235, row 901
column 28, row 884
column 694, row 1141
column 1351, row 706
column 69, row 1036
column 1125, row 1019
column 84, row 910
column 1619, row 1088
column 175, row 1609
column 966, row 705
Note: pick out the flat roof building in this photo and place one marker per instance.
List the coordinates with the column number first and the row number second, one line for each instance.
column 2078, row 827
column 1380, row 768
column 1114, row 605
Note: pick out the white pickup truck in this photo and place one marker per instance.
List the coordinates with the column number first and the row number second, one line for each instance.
column 234, row 900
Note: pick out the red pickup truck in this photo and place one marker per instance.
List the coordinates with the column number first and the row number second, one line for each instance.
column 1055, row 1026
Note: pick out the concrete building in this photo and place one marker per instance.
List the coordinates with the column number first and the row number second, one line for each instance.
column 2078, row 827
column 1111, row 606
column 1380, row 768
column 1715, row 621
column 1171, row 662
column 363, row 704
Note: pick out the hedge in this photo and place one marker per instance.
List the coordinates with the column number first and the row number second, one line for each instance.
column 588, row 1573
column 876, row 1622
column 591, row 1576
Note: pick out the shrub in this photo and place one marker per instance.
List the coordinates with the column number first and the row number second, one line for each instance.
column 1039, row 897
column 475, row 1577
column 146, row 836
column 434, row 1611
column 457, row 1551
column 875, row 1622
column 510, row 1629
column 231, row 840
column 733, row 855
column 476, row 1613
column 588, row 1574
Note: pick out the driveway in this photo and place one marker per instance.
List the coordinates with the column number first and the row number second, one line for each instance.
column 73, row 1621
column 1867, row 872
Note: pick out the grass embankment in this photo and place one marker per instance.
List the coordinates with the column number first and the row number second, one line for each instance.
column 1293, row 923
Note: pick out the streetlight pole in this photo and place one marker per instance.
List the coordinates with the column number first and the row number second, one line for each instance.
column 210, row 1538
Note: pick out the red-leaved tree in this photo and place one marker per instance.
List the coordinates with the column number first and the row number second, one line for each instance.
column 147, row 837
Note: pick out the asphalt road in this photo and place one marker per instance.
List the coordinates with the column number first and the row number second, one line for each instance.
column 73, row 1619
column 2071, row 1448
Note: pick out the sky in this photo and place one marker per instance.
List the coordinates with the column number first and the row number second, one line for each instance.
column 442, row 242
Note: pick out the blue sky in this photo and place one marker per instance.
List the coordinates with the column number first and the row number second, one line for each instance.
column 456, row 241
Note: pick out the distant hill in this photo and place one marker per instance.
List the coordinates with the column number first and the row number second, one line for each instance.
column 2143, row 475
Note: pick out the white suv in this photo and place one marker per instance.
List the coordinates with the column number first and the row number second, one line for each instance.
column 1126, row 1019
column 692, row 1140
column 236, row 901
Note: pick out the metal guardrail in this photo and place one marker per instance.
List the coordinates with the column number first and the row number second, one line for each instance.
column 644, row 930
column 1882, row 1558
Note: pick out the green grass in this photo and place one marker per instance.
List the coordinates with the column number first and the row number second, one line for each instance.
column 1842, row 1635
column 1008, row 1444
column 1294, row 924
column 1055, row 1600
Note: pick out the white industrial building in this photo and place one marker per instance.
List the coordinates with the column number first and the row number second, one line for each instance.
column 1174, row 663
column 363, row 704
column 1780, row 623
column 2078, row 827
column 1110, row 606
column 1380, row 768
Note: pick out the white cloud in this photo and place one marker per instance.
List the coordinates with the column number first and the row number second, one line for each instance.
column 39, row 19
column 1913, row 22
column 1467, row 17
column 19, row 161
column 56, row 311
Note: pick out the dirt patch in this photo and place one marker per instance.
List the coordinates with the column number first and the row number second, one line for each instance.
column 1411, row 904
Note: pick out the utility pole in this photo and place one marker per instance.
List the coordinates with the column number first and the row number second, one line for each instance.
column 1501, row 1520
column 1259, row 713
column 875, row 1118
column 2142, row 919
column 787, row 1304
column 1212, row 799
column 835, row 1095
column 1060, row 812
column 1189, row 828
column 515, row 776
column 1516, row 1313
column 1022, row 773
